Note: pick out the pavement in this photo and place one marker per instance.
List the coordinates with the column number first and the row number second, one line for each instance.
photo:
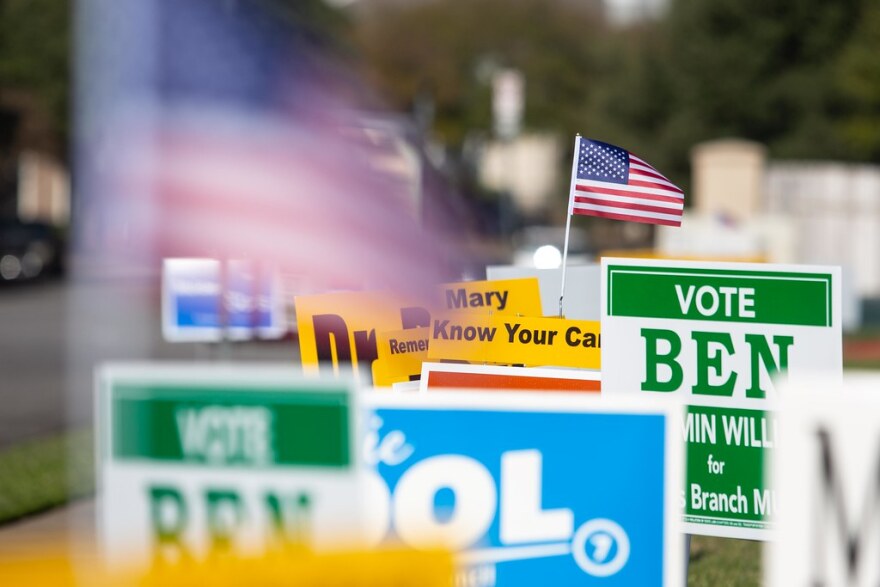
column 32, row 360
column 54, row 333
column 71, row 526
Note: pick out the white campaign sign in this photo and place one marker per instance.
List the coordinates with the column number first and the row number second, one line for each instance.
column 716, row 330
column 579, row 279
column 827, row 471
column 193, row 460
column 526, row 487
column 717, row 337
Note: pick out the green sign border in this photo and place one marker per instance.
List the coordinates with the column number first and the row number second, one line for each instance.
column 142, row 396
column 825, row 278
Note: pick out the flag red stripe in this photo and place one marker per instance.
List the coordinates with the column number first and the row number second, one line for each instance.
column 659, row 186
column 644, row 219
column 650, row 171
column 627, row 205
column 658, row 198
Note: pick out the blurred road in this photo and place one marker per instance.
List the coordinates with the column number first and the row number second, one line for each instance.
column 32, row 358
column 63, row 529
column 53, row 334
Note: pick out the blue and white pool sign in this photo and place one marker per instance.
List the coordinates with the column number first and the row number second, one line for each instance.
column 205, row 300
column 529, row 489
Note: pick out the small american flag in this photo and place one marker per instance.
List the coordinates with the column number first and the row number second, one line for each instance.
column 611, row 182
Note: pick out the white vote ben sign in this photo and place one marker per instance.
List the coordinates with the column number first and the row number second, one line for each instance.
column 717, row 329
column 717, row 336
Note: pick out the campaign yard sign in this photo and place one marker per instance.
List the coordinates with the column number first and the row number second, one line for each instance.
column 517, row 340
column 360, row 331
column 199, row 460
column 714, row 335
column 826, row 471
column 206, row 300
column 528, row 488
column 461, row 376
column 578, row 278
column 401, row 353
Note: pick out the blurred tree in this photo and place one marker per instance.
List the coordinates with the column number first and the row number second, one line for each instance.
column 800, row 77
column 634, row 103
column 36, row 50
column 858, row 77
column 316, row 20
column 758, row 69
column 444, row 52
column 35, row 55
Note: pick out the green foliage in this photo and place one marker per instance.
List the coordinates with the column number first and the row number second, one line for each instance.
column 763, row 70
column 35, row 55
column 801, row 77
column 45, row 473
column 858, row 77
column 759, row 69
column 633, row 105
column 446, row 50
column 315, row 19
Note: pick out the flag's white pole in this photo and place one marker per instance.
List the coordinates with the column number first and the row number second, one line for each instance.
column 577, row 146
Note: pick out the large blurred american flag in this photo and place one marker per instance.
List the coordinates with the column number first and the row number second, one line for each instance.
column 217, row 130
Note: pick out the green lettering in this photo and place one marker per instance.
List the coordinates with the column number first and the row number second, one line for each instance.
column 653, row 359
column 761, row 354
column 714, row 362
column 221, row 527
column 292, row 527
column 169, row 518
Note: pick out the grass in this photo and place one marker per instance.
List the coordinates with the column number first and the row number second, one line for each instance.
column 851, row 365
column 38, row 475
column 723, row 562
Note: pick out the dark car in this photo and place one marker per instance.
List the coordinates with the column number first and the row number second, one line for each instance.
column 28, row 251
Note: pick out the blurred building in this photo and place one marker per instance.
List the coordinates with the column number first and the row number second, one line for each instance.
column 34, row 185
column 34, row 190
column 727, row 178
column 626, row 12
column 746, row 208
column 617, row 12
column 835, row 211
column 526, row 167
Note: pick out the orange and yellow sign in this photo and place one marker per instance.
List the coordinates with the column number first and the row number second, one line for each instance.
column 357, row 329
column 453, row 376
column 513, row 340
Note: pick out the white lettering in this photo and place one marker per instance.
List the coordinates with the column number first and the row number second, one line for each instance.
column 522, row 519
column 684, row 301
column 471, row 515
column 701, row 297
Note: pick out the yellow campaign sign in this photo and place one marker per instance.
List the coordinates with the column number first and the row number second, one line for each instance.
column 401, row 353
column 54, row 563
column 520, row 297
column 340, row 329
column 379, row 568
column 515, row 340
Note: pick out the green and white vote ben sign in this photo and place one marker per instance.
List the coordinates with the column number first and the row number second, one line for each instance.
column 714, row 336
column 199, row 460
